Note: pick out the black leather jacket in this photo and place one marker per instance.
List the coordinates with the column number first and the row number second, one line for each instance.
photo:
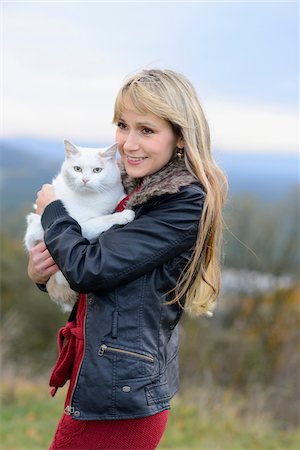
column 130, row 364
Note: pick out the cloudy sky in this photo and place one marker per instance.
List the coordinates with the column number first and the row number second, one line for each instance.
column 63, row 62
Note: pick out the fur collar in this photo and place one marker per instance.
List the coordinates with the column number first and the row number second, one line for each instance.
column 167, row 180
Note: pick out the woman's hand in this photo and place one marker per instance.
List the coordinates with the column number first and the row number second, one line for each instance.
column 41, row 265
column 45, row 196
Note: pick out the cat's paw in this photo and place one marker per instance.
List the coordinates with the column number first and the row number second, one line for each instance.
column 61, row 294
column 125, row 216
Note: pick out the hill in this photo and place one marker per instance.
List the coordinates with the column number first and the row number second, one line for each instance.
column 22, row 174
column 26, row 164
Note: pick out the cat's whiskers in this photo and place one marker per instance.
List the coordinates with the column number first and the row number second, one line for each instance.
column 103, row 189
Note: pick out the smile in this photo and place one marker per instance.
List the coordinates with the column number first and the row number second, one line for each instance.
column 135, row 158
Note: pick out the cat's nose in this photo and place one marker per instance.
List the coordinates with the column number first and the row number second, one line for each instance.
column 85, row 180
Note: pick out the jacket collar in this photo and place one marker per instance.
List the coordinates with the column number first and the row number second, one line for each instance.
column 168, row 180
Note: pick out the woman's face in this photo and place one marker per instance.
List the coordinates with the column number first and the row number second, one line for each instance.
column 146, row 142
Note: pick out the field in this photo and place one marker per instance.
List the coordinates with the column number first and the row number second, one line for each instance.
column 198, row 420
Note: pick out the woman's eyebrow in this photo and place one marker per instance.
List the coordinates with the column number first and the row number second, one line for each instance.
column 149, row 124
column 141, row 123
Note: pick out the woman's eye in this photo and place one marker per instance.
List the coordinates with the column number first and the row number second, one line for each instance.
column 121, row 125
column 97, row 169
column 147, row 131
column 77, row 169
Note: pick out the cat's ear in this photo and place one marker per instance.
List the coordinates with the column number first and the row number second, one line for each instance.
column 71, row 150
column 111, row 151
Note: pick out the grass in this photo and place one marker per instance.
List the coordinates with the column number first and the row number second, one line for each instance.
column 29, row 415
column 202, row 420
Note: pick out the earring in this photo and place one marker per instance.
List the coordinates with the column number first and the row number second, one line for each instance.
column 179, row 153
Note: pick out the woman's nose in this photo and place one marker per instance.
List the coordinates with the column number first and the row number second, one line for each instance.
column 131, row 142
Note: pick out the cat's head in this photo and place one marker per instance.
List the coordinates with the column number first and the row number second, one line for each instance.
column 87, row 169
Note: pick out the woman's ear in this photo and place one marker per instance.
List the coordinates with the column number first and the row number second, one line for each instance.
column 180, row 143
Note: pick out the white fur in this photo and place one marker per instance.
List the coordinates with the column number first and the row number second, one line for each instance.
column 90, row 203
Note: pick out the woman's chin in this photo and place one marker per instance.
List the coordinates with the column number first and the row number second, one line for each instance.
column 137, row 171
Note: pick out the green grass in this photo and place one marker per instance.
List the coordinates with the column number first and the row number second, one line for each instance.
column 198, row 420
column 29, row 416
column 189, row 430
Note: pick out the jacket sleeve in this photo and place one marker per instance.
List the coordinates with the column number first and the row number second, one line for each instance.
column 123, row 253
column 42, row 287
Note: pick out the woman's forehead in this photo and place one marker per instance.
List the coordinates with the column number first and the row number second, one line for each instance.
column 127, row 102
column 138, row 118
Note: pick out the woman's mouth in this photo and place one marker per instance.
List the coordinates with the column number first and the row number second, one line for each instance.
column 135, row 160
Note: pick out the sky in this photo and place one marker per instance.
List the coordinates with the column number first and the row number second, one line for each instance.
column 62, row 64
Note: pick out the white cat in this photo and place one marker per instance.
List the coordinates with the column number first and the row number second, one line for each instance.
column 89, row 185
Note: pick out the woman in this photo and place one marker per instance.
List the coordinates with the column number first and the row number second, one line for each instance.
column 138, row 277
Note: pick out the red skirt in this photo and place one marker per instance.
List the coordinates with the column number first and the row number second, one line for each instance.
column 130, row 434
column 124, row 434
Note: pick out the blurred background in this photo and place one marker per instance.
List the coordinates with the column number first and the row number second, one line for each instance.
column 62, row 65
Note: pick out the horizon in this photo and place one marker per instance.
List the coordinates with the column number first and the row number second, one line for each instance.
column 24, row 144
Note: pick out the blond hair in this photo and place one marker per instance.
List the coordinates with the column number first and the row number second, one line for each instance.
column 172, row 97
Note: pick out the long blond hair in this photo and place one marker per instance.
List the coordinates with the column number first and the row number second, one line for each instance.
column 172, row 97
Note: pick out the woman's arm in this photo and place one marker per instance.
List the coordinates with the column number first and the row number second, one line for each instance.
column 122, row 254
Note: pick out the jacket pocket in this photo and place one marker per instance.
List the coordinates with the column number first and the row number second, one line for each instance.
column 107, row 348
column 129, row 363
column 157, row 393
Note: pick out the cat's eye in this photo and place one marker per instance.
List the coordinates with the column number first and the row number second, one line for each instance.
column 77, row 169
column 97, row 169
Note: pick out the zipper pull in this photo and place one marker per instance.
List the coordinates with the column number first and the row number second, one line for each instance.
column 102, row 349
column 69, row 410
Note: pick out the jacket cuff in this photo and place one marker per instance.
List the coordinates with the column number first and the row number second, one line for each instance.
column 42, row 287
column 53, row 211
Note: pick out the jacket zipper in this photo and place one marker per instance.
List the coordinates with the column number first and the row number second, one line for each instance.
column 104, row 348
column 69, row 410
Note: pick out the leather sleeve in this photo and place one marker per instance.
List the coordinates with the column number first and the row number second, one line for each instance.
column 42, row 287
column 167, row 227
